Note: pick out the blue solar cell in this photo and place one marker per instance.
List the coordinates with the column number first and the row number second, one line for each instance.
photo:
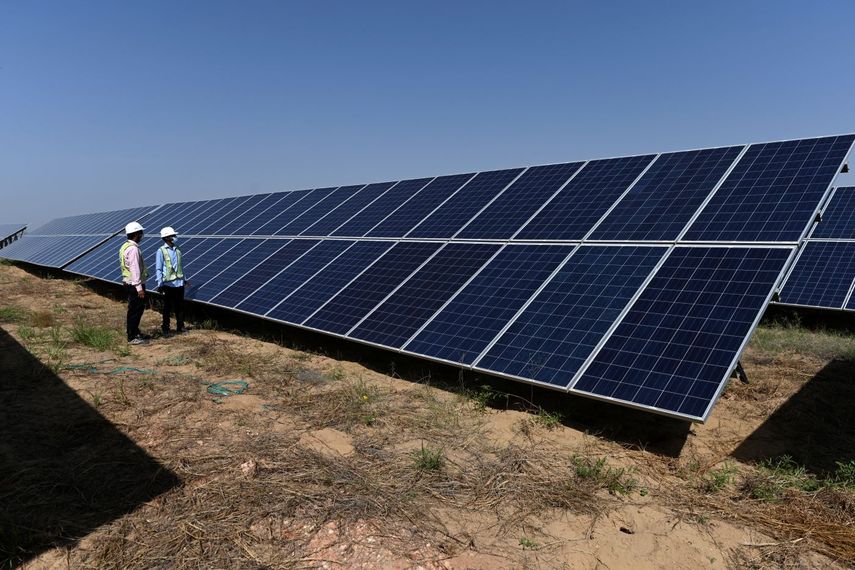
column 212, row 219
column 299, row 305
column 468, row 201
column 420, row 205
column 408, row 308
column 254, row 278
column 664, row 200
column 8, row 230
column 196, row 266
column 773, row 191
column 90, row 263
column 348, row 209
column 49, row 251
column 464, row 328
column 675, row 348
column 580, row 204
column 91, row 224
column 319, row 210
column 366, row 291
column 290, row 278
column 373, row 214
column 291, row 206
column 513, row 207
column 167, row 215
column 230, row 266
column 247, row 215
column 555, row 334
column 838, row 219
column 822, row 275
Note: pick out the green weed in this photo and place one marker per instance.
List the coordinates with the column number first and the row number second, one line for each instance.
column 618, row 481
column 528, row 544
column 94, row 336
column 718, row 479
column 12, row 314
column 428, row 459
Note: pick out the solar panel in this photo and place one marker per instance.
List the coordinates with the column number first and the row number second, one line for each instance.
column 838, row 218
column 580, row 204
column 822, row 275
column 676, row 347
column 549, row 341
column 331, row 201
column 289, row 278
column 414, row 210
column 348, row 209
column 512, row 208
column 663, row 201
column 461, row 330
column 297, row 306
column 353, row 302
column 376, row 212
column 10, row 233
column 224, row 270
column 394, row 321
column 265, row 268
column 464, row 204
column 773, row 192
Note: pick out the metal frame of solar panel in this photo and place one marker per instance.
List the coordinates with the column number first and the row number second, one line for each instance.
column 823, row 275
column 634, row 280
column 63, row 240
column 10, row 233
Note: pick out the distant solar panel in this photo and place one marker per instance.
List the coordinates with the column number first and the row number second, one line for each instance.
column 838, row 218
column 10, row 233
column 312, row 215
column 376, row 212
column 352, row 206
column 822, row 276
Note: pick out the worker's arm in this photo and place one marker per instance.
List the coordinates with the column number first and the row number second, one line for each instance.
column 158, row 271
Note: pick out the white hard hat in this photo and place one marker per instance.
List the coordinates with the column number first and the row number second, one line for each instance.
column 133, row 228
column 167, row 231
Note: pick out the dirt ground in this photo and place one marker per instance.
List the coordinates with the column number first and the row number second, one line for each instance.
column 158, row 456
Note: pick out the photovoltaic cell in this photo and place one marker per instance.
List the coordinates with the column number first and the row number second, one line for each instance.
column 319, row 210
column 353, row 302
column 464, row 328
column 664, row 200
column 575, row 210
column 838, row 219
column 408, row 308
column 676, row 346
column 822, row 275
column 246, row 215
column 418, row 206
column 348, row 209
column 374, row 213
column 294, row 204
column 513, row 207
column 300, row 304
column 290, row 278
column 551, row 339
column 773, row 191
column 468, row 201
column 263, row 271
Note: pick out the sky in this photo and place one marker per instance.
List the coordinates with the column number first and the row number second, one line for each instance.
column 107, row 105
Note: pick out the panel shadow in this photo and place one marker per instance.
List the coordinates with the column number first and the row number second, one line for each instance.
column 64, row 469
column 816, row 426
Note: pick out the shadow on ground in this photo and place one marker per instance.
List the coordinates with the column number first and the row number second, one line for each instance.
column 816, row 426
column 64, row 469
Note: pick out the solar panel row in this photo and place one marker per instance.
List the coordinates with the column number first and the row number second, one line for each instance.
column 643, row 319
column 10, row 233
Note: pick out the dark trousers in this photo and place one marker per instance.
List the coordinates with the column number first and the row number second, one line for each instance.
column 136, row 307
column 173, row 301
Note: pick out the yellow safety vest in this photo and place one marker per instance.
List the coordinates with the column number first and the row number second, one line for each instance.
column 126, row 271
column 171, row 273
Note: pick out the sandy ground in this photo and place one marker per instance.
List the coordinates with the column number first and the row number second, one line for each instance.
column 316, row 463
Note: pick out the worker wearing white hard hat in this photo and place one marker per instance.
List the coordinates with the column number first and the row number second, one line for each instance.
column 171, row 281
column 134, row 274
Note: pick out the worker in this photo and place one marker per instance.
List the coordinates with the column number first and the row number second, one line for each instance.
column 171, row 281
column 134, row 274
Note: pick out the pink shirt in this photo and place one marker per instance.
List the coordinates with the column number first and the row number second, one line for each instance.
column 134, row 262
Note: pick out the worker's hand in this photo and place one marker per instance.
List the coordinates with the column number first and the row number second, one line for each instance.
column 141, row 293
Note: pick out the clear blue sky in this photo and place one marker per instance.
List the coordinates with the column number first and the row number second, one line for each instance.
column 112, row 104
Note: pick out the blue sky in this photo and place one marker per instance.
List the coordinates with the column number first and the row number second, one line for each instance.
column 106, row 105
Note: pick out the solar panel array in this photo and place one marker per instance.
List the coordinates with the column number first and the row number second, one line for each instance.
column 60, row 241
column 634, row 280
column 824, row 273
column 10, row 233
